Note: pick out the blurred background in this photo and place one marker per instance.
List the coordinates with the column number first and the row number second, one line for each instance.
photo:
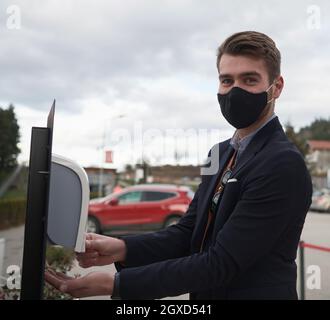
column 135, row 85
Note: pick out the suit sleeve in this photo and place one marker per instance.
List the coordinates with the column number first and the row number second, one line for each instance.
column 268, row 204
column 172, row 242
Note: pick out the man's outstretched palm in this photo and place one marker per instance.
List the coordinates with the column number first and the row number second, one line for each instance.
column 92, row 284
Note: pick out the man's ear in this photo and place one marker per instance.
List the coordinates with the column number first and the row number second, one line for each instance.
column 278, row 87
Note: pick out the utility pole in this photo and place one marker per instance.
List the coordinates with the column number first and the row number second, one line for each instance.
column 101, row 173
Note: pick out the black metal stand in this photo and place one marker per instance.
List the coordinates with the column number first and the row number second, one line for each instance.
column 37, row 211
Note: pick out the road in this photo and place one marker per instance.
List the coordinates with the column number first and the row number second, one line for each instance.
column 316, row 231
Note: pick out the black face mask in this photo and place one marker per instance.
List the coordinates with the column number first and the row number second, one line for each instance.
column 241, row 108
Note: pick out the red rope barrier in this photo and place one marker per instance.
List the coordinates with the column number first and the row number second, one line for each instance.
column 313, row 246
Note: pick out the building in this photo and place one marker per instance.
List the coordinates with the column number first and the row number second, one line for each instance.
column 167, row 174
column 174, row 174
column 101, row 176
column 319, row 162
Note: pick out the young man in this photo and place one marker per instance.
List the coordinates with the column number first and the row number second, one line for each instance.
column 239, row 237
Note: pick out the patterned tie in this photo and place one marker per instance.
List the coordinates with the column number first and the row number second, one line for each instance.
column 220, row 186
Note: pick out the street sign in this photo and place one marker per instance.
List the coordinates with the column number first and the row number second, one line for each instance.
column 109, row 156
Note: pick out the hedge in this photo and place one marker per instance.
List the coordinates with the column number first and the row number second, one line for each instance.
column 12, row 212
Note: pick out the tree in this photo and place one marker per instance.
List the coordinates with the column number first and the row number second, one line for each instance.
column 319, row 129
column 295, row 138
column 145, row 166
column 129, row 168
column 9, row 138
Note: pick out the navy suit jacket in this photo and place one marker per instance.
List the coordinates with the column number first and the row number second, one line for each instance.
column 251, row 248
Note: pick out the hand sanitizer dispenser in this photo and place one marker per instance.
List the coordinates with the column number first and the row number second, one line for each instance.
column 67, row 204
column 57, row 207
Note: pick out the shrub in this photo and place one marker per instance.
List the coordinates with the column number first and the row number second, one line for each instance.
column 12, row 212
column 60, row 260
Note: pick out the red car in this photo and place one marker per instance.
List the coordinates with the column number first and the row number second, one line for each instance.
column 138, row 208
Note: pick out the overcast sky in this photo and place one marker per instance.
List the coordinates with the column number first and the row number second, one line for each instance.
column 154, row 63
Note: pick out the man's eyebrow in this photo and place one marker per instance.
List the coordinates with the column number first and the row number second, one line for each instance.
column 227, row 75
column 244, row 74
column 250, row 73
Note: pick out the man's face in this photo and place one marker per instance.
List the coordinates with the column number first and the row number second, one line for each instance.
column 245, row 72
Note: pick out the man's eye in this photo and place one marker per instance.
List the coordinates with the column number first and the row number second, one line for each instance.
column 251, row 81
column 226, row 81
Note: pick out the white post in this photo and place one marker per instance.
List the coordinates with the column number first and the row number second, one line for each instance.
column 101, row 183
column 2, row 254
column 101, row 171
column 101, row 165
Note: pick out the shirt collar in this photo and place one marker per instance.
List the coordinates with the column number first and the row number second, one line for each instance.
column 241, row 144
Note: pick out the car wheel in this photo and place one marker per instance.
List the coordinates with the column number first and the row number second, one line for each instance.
column 93, row 225
column 171, row 221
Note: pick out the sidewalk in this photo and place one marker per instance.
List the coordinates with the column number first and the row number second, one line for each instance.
column 316, row 231
column 14, row 242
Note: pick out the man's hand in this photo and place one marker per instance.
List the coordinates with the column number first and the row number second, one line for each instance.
column 101, row 250
column 92, row 284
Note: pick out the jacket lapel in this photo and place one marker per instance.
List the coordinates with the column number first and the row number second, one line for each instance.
column 210, row 183
column 256, row 144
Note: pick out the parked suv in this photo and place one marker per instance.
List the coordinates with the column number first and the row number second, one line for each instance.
column 138, row 208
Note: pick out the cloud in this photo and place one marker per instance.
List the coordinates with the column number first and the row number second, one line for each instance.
column 153, row 62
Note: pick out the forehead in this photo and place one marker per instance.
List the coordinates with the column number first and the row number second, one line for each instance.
column 235, row 65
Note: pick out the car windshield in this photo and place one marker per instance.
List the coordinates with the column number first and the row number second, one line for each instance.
column 130, row 197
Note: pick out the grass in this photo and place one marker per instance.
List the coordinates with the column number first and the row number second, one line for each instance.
column 4, row 175
column 18, row 190
column 14, row 194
